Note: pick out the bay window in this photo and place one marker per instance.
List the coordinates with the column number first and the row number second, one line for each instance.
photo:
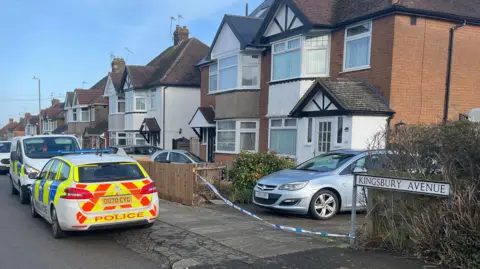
column 153, row 101
column 251, row 71
column 236, row 136
column 212, row 78
column 92, row 113
column 121, row 139
column 140, row 140
column 74, row 115
column 283, row 136
column 85, row 114
column 140, row 103
column 287, row 59
column 357, row 46
column 227, row 73
column 129, row 101
column 316, row 55
column 120, row 104
column 112, row 104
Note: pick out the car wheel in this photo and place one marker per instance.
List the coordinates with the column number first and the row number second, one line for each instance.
column 24, row 195
column 57, row 231
column 324, row 205
column 33, row 211
column 14, row 191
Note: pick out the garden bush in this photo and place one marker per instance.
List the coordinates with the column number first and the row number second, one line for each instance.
column 430, row 227
column 248, row 168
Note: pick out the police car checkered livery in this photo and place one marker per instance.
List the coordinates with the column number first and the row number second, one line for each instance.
column 80, row 192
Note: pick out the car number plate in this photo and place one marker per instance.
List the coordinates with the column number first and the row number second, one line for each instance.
column 262, row 195
column 117, row 200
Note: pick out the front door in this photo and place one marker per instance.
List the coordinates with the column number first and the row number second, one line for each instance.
column 324, row 137
column 211, row 145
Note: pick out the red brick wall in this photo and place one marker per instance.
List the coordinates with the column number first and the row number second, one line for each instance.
column 419, row 70
column 205, row 99
column 224, row 158
column 379, row 75
column 264, row 79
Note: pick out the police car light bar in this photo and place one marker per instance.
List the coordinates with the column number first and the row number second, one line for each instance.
column 84, row 151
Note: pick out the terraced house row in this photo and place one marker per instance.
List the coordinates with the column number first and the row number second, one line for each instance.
column 298, row 77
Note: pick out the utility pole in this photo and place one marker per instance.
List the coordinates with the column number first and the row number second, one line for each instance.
column 39, row 104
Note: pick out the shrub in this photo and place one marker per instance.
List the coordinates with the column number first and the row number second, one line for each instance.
column 425, row 226
column 248, row 168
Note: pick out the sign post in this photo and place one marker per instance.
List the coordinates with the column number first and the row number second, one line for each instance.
column 433, row 188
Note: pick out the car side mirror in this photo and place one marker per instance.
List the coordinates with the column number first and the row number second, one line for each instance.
column 13, row 156
column 33, row 175
column 359, row 170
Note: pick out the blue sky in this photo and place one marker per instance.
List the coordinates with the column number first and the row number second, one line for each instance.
column 65, row 43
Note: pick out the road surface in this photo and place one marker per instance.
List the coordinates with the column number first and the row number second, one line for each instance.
column 27, row 243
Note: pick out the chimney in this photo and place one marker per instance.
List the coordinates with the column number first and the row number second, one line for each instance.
column 10, row 120
column 118, row 64
column 55, row 101
column 180, row 34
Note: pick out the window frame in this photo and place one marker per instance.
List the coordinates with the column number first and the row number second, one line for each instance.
column 309, row 133
column 204, row 133
column 118, row 100
column 228, row 67
column 135, row 98
column 283, row 127
column 356, row 37
column 286, row 50
column 153, row 95
column 212, row 72
column 83, row 109
column 238, row 131
column 74, row 115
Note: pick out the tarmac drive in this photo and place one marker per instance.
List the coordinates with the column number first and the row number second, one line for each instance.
column 28, row 243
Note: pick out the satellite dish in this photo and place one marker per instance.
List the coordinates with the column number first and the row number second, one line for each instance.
column 474, row 115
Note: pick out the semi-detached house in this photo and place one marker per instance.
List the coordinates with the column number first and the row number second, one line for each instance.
column 152, row 104
column 302, row 77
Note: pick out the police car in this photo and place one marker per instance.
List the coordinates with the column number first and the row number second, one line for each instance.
column 79, row 192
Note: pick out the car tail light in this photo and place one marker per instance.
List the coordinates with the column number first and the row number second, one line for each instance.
column 75, row 193
column 149, row 188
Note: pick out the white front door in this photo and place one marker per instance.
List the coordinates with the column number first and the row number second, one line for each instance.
column 324, row 136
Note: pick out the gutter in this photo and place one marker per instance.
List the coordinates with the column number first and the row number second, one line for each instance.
column 449, row 69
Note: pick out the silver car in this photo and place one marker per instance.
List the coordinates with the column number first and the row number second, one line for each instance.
column 176, row 156
column 321, row 186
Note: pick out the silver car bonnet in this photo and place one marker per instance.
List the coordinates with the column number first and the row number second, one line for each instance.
column 291, row 175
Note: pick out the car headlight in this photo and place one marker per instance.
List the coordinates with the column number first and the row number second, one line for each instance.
column 294, row 186
column 28, row 169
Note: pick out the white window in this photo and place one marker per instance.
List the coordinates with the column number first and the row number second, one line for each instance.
column 153, row 100
column 212, row 78
column 121, row 104
column 140, row 103
column 283, row 136
column 358, row 40
column 121, row 139
column 227, row 73
column 251, row 71
column 74, row 115
column 237, row 136
column 287, row 59
column 92, row 113
column 204, row 136
column 308, row 139
column 113, row 139
column 85, row 114
column 140, row 140
column 316, row 55
column 226, row 136
column 129, row 101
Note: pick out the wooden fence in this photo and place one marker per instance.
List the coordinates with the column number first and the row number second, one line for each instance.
column 177, row 182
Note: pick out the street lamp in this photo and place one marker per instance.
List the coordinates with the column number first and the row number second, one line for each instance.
column 39, row 105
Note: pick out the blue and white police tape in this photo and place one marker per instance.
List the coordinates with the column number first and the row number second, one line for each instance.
column 298, row 230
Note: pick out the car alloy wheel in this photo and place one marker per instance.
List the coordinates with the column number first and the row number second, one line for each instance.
column 32, row 208
column 57, row 231
column 324, row 205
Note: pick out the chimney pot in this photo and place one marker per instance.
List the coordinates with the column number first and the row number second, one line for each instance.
column 55, row 101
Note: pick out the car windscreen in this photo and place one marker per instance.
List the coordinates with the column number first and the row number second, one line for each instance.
column 48, row 147
column 105, row 172
column 5, row 147
column 325, row 162
column 194, row 157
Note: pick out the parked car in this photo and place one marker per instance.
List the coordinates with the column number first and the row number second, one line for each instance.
column 176, row 156
column 135, row 151
column 321, row 186
column 5, row 156
column 29, row 154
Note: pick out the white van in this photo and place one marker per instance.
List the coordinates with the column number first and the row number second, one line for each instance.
column 4, row 157
column 30, row 153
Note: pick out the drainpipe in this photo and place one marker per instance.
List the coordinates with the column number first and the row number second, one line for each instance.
column 163, row 116
column 449, row 69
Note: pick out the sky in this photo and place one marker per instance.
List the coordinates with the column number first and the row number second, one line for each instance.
column 68, row 42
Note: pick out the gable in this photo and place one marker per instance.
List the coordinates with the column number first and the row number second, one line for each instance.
column 283, row 21
column 225, row 43
column 320, row 102
column 128, row 82
column 109, row 88
column 75, row 100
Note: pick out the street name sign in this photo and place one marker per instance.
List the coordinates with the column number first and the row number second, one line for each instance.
column 405, row 185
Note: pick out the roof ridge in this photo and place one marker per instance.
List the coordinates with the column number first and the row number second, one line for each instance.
column 240, row 16
column 175, row 63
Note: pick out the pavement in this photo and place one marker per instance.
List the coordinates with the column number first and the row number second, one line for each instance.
column 28, row 243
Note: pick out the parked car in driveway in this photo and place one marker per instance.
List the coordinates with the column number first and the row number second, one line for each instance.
column 321, row 186
column 135, row 151
column 176, row 156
